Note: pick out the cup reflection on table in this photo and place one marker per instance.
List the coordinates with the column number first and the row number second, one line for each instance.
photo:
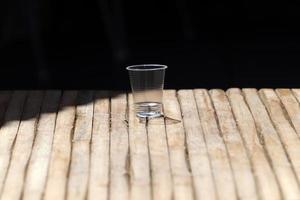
column 147, row 83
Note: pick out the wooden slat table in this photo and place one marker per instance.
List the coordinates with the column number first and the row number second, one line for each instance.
column 238, row 144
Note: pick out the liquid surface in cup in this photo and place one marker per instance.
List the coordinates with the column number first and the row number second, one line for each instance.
column 147, row 89
column 148, row 103
column 148, row 109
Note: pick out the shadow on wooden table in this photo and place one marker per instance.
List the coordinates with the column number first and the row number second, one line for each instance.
column 26, row 105
column 165, row 120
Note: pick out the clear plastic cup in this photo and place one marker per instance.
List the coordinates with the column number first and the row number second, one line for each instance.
column 147, row 83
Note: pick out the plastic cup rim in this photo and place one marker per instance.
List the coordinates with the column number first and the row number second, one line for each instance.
column 149, row 67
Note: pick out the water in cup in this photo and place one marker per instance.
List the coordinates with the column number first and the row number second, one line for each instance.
column 147, row 83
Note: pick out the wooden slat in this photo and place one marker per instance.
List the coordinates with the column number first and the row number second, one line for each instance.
column 246, row 146
column 139, row 156
column 292, row 113
column 296, row 93
column 61, row 150
column 287, row 134
column 9, row 131
column 237, row 153
column 99, row 170
column 22, row 148
column 80, row 156
column 119, row 180
column 215, row 145
column 271, row 142
column 41, row 152
column 159, row 159
column 182, row 182
column 4, row 100
column 292, row 107
column 200, row 165
column 262, row 168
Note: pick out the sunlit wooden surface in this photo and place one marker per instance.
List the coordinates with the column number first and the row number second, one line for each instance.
column 234, row 144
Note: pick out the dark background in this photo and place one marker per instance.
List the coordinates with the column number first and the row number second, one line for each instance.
column 87, row 44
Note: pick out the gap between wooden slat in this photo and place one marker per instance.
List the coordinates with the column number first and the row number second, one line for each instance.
column 182, row 182
column 36, row 174
column 204, row 186
column 99, row 168
column 9, row 131
column 119, row 169
column 256, row 152
column 216, row 147
column 61, row 150
column 273, row 104
column 296, row 93
column 241, row 165
column 286, row 132
column 159, row 156
column 291, row 107
column 80, row 156
column 271, row 142
column 139, row 156
column 22, row 148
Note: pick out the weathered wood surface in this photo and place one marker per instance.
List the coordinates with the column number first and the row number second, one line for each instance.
column 61, row 150
column 234, row 144
column 80, row 156
column 254, row 145
column 37, row 169
column 139, row 156
column 239, row 160
column 99, row 171
column 23, row 145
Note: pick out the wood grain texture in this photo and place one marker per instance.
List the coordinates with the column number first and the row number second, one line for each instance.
column 293, row 115
column 61, row 149
column 182, row 181
column 216, row 147
column 139, row 156
column 198, row 156
column 240, row 163
column 41, row 151
column 296, row 93
column 119, row 149
column 9, row 131
column 239, row 144
column 159, row 159
column 99, row 170
column 272, row 144
column 287, row 133
column 261, row 166
column 80, row 156
column 291, row 106
column 23, row 145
